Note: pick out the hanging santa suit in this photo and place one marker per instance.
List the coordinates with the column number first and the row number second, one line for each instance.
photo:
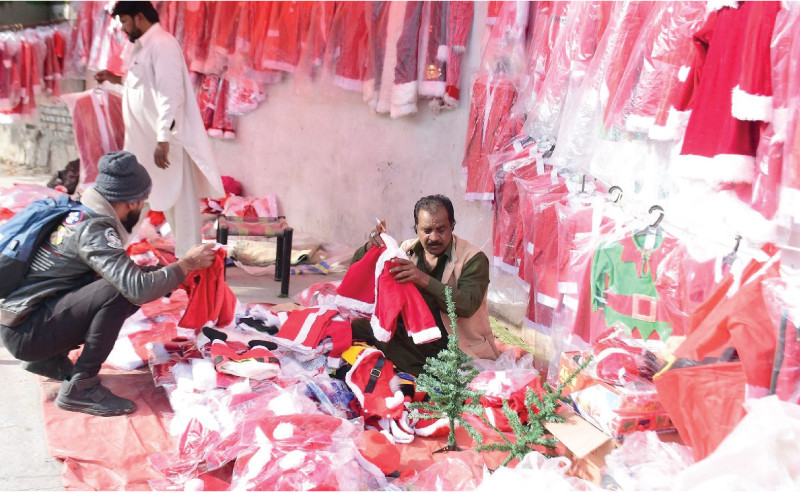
column 786, row 83
column 312, row 56
column 24, row 56
column 573, row 51
column 98, row 126
column 459, row 22
column 210, row 298
column 404, row 83
column 652, row 73
column 288, row 25
column 347, row 52
column 493, row 95
column 718, row 146
column 79, row 41
column 369, row 288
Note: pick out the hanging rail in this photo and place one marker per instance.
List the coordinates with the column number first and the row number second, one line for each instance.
column 30, row 25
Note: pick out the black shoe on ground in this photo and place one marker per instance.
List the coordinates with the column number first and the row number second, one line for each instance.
column 58, row 367
column 85, row 394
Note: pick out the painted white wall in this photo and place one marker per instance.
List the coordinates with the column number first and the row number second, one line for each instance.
column 335, row 165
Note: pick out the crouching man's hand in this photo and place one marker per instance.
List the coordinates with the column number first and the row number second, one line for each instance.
column 200, row 256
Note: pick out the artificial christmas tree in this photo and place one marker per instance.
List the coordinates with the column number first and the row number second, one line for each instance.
column 445, row 379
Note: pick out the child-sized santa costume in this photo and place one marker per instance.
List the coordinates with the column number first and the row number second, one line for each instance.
column 368, row 288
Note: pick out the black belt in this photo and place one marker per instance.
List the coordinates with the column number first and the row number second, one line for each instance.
column 374, row 374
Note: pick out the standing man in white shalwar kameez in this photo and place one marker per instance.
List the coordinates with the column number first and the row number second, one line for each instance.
column 163, row 126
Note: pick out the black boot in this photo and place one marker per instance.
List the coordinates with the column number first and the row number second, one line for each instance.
column 85, row 394
column 58, row 367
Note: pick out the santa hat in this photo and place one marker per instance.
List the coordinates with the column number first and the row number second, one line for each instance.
column 429, row 427
column 377, row 451
column 372, row 381
column 254, row 363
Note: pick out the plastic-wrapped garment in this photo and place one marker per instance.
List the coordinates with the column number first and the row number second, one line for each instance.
column 223, row 124
column 312, row 56
column 223, row 35
column 584, row 106
column 198, row 27
column 762, row 452
column 98, row 125
column 404, row 83
column 490, row 108
column 644, row 461
column 507, row 168
column 783, row 306
column 346, row 56
column 538, row 200
column 581, row 225
column 111, row 48
column 25, row 58
column 53, row 61
column 79, row 41
column 459, row 22
column 10, row 71
column 433, row 49
column 288, row 26
column 391, row 86
column 718, row 147
column 549, row 17
column 786, row 77
column 510, row 386
column 732, row 350
column 572, row 52
column 651, row 78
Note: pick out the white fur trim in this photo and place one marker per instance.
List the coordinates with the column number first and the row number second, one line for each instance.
column 479, row 197
column 639, row 123
column 334, row 362
column 278, row 65
column 394, row 401
column 546, row 300
column 674, row 128
column 404, row 99
column 348, row 84
column 683, row 73
column 713, row 5
column 750, row 107
column 399, row 434
column 432, row 88
column 499, row 263
column 490, row 416
column 431, row 429
column 442, row 53
column 355, row 304
column 368, row 465
column 722, row 168
column 214, row 132
column 426, row 335
column 381, row 334
column 780, row 121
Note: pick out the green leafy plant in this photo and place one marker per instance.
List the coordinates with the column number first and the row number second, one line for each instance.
column 528, row 435
column 445, row 378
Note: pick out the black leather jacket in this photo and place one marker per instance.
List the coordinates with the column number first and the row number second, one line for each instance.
column 82, row 248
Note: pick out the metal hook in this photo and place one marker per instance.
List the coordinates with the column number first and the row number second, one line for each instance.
column 618, row 196
column 660, row 217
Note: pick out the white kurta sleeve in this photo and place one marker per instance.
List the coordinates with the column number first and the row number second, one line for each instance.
column 169, row 86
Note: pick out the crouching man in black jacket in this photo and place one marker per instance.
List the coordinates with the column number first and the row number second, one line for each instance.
column 82, row 285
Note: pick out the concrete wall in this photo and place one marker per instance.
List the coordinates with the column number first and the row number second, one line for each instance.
column 335, row 166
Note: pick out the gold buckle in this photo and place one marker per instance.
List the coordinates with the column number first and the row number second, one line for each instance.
column 375, row 373
column 642, row 300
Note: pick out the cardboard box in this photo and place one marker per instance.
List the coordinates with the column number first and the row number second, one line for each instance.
column 586, row 446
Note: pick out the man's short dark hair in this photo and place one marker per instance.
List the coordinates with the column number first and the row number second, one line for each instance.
column 431, row 204
column 133, row 8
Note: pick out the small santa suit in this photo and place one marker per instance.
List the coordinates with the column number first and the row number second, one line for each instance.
column 210, row 298
column 98, row 125
column 719, row 147
column 304, row 330
column 370, row 288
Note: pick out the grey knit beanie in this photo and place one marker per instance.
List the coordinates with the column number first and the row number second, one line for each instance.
column 122, row 178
